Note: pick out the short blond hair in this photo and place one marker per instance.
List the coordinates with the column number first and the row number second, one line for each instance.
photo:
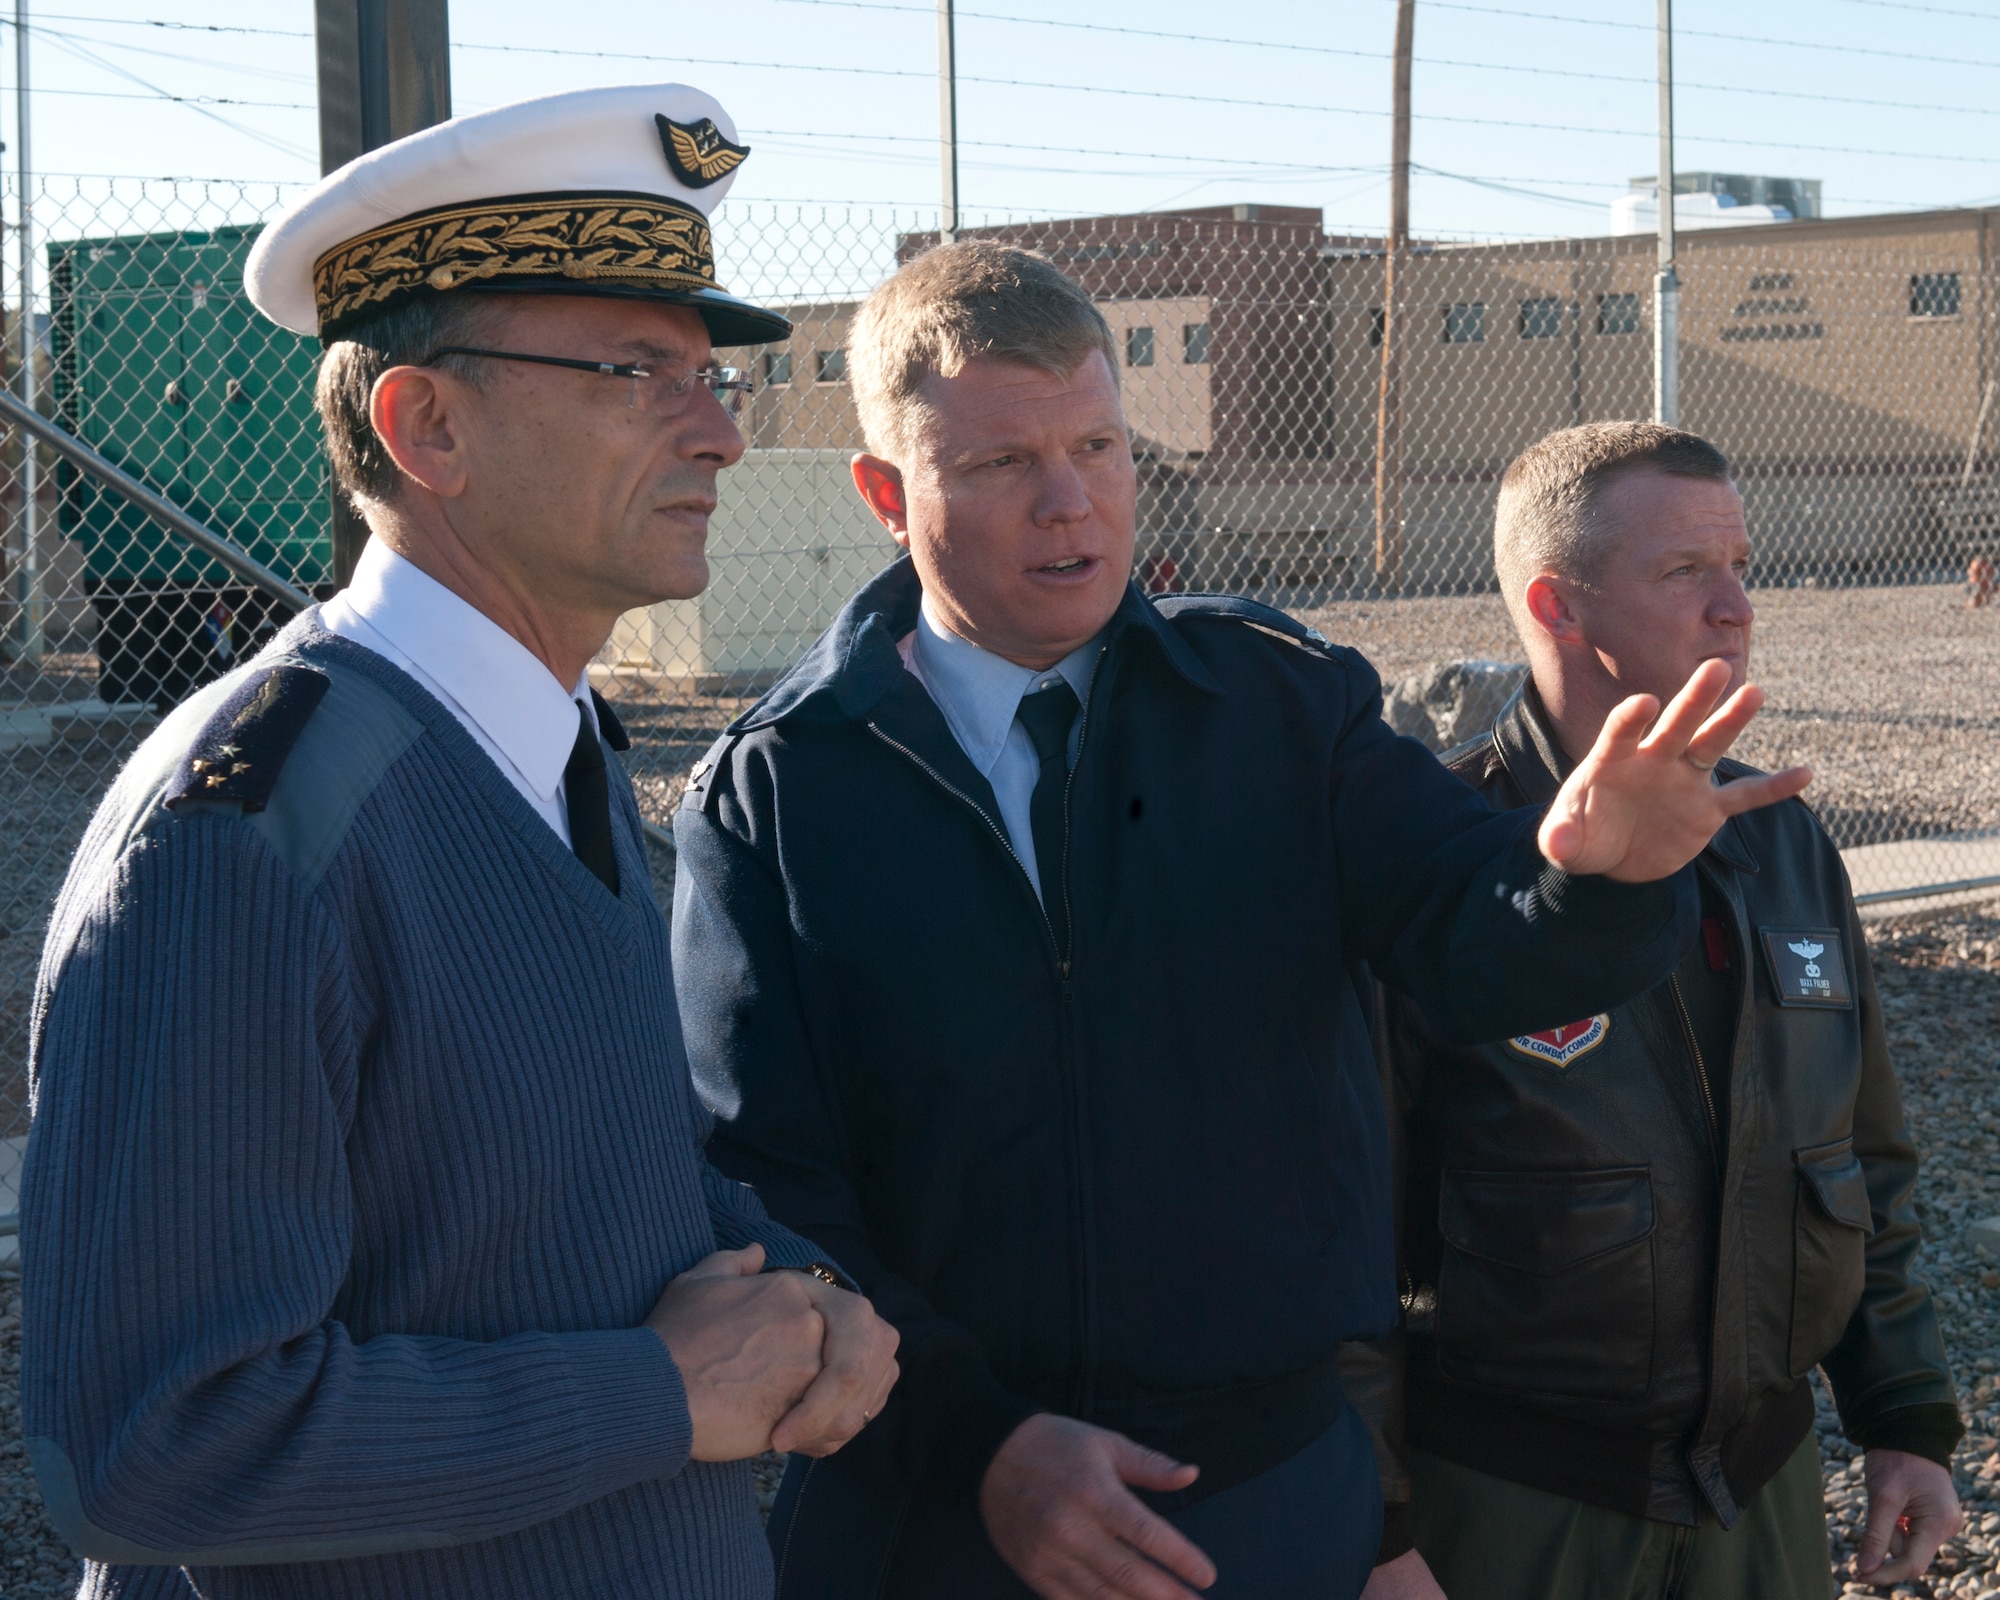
column 955, row 304
column 1546, row 519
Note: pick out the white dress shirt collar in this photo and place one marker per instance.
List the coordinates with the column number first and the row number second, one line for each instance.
column 980, row 692
column 488, row 676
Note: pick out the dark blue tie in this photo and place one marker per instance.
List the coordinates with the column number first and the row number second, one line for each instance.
column 587, row 795
column 1047, row 715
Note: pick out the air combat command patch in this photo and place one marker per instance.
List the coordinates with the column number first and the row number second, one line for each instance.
column 1560, row 1046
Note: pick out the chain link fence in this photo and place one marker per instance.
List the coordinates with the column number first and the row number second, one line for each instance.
column 1848, row 369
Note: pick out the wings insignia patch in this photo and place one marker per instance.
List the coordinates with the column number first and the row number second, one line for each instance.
column 697, row 151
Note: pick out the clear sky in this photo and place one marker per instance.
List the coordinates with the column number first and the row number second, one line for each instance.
column 1530, row 115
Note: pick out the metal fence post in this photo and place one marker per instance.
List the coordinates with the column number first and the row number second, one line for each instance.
column 32, row 619
column 1667, row 285
column 384, row 72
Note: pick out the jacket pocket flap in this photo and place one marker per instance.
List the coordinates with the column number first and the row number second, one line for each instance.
column 1833, row 1173
column 1545, row 1222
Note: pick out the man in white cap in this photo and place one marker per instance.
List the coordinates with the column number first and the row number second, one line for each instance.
column 369, row 1244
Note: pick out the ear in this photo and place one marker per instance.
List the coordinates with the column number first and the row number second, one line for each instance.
column 413, row 413
column 881, row 485
column 1550, row 602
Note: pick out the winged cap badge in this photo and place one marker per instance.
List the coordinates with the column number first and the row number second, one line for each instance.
column 1806, row 948
column 697, row 151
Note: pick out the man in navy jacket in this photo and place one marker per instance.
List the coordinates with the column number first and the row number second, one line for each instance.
column 1018, row 937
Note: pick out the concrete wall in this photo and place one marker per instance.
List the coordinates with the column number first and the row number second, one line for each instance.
column 790, row 541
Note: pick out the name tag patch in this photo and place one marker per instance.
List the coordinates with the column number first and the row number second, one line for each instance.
column 1560, row 1046
column 1808, row 967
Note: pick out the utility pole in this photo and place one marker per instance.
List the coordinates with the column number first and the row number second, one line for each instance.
column 1389, row 397
column 1667, row 285
column 32, row 600
column 947, row 122
column 384, row 73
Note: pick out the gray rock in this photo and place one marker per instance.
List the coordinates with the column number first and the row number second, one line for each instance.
column 1450, row 702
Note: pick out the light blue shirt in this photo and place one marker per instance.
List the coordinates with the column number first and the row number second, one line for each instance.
column 979, row 694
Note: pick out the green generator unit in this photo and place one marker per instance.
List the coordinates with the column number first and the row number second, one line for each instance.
column 163, row 365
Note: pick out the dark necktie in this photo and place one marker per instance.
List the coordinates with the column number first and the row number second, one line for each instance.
column 1047, row 715
column 587, row 792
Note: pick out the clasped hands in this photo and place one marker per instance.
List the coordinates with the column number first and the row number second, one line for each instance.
column 772, row 1360
column 1642, row 804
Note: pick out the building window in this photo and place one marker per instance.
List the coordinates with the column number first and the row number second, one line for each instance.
column 1138, row 347
column 1770, row 280
column 1375, row 321
column 833, row 366
column 1465, row 323
column 1618, row 313
column 1194, row 343
column 1933, row 294
column 1541, row 319
column 777, row 366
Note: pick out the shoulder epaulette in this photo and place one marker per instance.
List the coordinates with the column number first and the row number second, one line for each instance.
column 699, row 775
column 1235, row 607
column 241, row 749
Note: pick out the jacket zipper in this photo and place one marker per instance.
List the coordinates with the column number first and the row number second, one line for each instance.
column 1083, row 1286
column 999, row 834
column 1081, row 1384
column 1700, row 1066
column 1083, row 1392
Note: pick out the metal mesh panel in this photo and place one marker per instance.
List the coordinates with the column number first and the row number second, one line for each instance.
column 1845, row 368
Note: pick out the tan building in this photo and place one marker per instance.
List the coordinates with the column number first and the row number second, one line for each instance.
column 1842, row 364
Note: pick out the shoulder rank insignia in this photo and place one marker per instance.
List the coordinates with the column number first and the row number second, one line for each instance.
column 697, row 151
column 1560, row 1046
column 241, row 749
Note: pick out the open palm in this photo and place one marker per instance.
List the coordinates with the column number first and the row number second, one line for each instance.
column 1642, row 804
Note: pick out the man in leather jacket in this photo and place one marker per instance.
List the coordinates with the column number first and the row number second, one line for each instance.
column 1628, row 1241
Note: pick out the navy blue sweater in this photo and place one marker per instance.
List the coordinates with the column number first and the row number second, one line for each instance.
column 364, row 1142
column 1123, row 1157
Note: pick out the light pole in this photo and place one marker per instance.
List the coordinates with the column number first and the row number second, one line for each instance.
column 1389, row 392
column 947, row 123
column 1667, row 283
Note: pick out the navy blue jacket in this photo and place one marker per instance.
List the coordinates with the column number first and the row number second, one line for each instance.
column 1130, row 1153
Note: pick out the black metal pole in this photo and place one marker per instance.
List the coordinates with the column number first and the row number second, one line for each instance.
column 384, row 72
column 155, row 505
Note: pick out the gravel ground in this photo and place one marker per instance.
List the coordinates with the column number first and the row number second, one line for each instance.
column 1940, row 982
column 1892, row 696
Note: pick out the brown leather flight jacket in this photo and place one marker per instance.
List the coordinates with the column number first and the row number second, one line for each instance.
column 1615, row 1289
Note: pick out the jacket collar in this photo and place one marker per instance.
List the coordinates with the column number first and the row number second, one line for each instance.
column 1538, row 766
column 855, row 662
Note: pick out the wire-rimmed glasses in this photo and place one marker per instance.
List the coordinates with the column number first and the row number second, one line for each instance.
column 654, row 389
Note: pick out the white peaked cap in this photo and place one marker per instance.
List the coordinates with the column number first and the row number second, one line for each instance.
column 595, row 192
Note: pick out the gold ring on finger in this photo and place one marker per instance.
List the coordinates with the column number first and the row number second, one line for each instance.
column 1699, row 766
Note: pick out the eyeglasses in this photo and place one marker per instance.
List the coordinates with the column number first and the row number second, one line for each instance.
column 653, row 389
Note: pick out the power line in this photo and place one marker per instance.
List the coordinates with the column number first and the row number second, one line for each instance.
column 281, row 145
column 164, row 55
column 177, row 27
column 159, row 94
column 1935, row 11
column 1705, row 33
column 1262, row 105
column 930, row 143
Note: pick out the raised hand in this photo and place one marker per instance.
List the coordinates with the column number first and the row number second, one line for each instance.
column 1642, row 805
